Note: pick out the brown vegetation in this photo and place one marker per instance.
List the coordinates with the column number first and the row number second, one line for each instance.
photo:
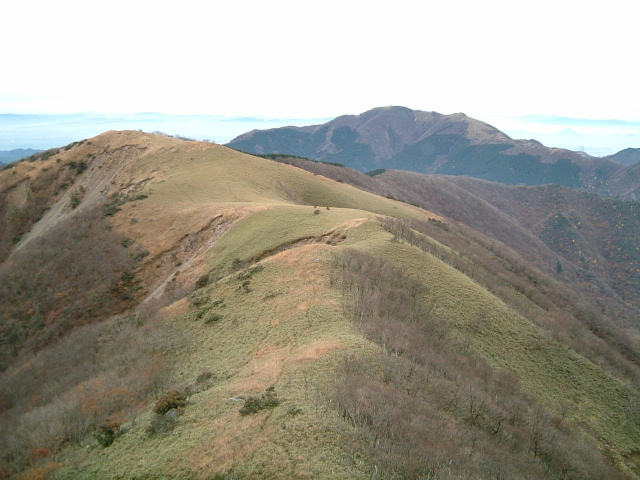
column 77, row 371
column 88, row 383
column 431, row 408
column 78, row 273
column 26, row 196
column 595, row 245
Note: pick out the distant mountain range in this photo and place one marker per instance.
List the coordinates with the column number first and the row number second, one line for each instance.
column 389, row 137
column 8, row 156
column 597, row 137
column 51, row 131
column 429, row 142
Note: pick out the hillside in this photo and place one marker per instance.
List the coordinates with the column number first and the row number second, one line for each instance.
column 178, row 309
column 594, row 239
column 430, row 142
column 590, row 238
column 625, row 183
column 628, row 156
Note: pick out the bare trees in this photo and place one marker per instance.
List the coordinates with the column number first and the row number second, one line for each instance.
column 97, row 376
column 429, row 406
column 79, row 273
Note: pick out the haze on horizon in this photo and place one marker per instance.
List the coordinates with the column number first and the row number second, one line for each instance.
column 285, row 59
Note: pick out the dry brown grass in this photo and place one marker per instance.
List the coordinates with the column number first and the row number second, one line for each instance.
column 262, row 372
column 232, row 440
column 316, row 350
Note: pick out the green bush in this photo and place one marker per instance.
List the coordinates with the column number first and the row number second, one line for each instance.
column 77, row 196
column 268, row 400
column 212, row 318
column 377, row 171
column 238, row 264
column 199, row 298
column 246, row 275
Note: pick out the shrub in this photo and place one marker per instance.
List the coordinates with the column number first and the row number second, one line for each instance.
column 202, row 281
column 107, row 433
column 245, row 287
column 199, row 298
column 212, row 318
column 77, row 196
column 110, row 210
column 171, row 399
column 204, row 377
column 246, row 275
column 116, row 200
column 268, row 400
column 237, row 264
column 377, row 171
column 294, row 410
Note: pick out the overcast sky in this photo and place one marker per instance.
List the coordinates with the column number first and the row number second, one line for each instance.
column 319, row 59
column 490, row 59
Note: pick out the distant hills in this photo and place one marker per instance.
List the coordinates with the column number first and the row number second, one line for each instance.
column 598, row 137
column 433, row 143
column 628, row 156
column 8, row 156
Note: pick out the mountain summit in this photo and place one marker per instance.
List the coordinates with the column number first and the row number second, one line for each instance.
column 430, row 142
column 386, row 130
column 375, row 136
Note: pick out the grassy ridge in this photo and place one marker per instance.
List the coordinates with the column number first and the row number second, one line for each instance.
column 287, row 331
column 214, row 174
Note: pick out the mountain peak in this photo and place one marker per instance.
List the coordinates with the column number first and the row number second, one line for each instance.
column 427, row 142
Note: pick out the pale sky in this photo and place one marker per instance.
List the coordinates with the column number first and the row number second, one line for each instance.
column 320, row 59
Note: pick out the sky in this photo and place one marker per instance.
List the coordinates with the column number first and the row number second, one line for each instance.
column 292, row 59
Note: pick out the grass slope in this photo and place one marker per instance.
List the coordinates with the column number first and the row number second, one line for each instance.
column 287, row 331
